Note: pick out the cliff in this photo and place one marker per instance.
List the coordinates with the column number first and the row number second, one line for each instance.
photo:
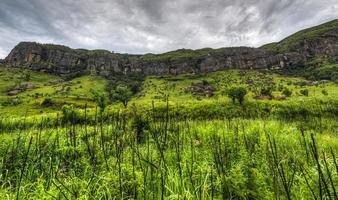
column 317, row 42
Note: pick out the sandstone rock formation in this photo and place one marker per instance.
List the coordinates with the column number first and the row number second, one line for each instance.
column 319, row 42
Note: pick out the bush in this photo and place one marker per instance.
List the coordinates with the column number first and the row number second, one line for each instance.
column 100, row 100
column 304, row 92
column 46, row 102
column 324, row 92
column 287, row 92
column 12, row 101
column 266, row 91
column 70, row 114
column 27, row 76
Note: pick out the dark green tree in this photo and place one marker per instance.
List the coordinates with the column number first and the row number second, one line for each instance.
column 237, row 93
column 122, row 93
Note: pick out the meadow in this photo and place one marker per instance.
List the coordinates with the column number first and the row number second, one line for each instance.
column 179, row 137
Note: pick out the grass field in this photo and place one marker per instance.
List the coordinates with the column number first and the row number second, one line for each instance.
column 179, row 137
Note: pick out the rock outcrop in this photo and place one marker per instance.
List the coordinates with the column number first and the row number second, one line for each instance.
column 291, row 52
column 63, row 60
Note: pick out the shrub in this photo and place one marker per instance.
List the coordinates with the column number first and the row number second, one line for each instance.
column 324, row 92
column 69, row 114
column 266, row 91
column 139, row 124
column 100, row 100
column 27, row 76
column 304, row 92
column 12, row 101
column 287, row 92
column 46, row 102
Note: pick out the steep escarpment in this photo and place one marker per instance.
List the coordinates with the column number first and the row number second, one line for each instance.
column 63, row 60
column 317, row 42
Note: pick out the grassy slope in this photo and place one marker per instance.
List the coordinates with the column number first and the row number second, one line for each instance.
column 307, row 34
column 154, row 89
column 76, row 91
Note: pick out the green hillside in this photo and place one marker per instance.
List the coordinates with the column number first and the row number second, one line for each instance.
column 170, row 137
column 178, row 136
column 313, row 33
column 49, row 93
column 29, row 101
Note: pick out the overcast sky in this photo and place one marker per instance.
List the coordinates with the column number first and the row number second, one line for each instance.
column 141, row 26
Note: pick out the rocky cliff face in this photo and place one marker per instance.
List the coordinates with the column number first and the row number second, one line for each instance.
column 63, row 60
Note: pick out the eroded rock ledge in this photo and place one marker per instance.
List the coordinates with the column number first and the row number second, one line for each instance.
column 59, row 59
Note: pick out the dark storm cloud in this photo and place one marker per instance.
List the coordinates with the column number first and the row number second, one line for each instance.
column 139, row 26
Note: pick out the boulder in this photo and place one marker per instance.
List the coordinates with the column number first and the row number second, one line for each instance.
column 202, row 89
column 28, row 86
column 13, row 92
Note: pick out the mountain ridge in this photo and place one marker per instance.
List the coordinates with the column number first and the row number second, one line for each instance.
column 319, row 42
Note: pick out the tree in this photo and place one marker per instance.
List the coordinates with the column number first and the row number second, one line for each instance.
column 237, row 93
column 100, row 100
column 122, row 93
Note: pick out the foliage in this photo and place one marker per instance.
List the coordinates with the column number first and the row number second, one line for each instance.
column 168, row 144
column 100, row 99
column 152, row 158
column 237, row 93
column 287, row 92
column 266, row 91
column 304, row 92
column 27, row 76
column 324, row 92
column 122, row 93
column 70, row 114
column 46, row 102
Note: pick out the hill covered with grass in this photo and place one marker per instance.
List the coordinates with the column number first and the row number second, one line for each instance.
column 34, row 93
column 292, row 42
column 164, row 137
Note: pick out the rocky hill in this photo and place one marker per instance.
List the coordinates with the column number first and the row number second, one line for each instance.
column 320, row 42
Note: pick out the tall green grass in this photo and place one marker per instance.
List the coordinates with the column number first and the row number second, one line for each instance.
column 129, row 155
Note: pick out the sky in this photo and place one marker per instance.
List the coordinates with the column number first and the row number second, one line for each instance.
column 156, row 26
